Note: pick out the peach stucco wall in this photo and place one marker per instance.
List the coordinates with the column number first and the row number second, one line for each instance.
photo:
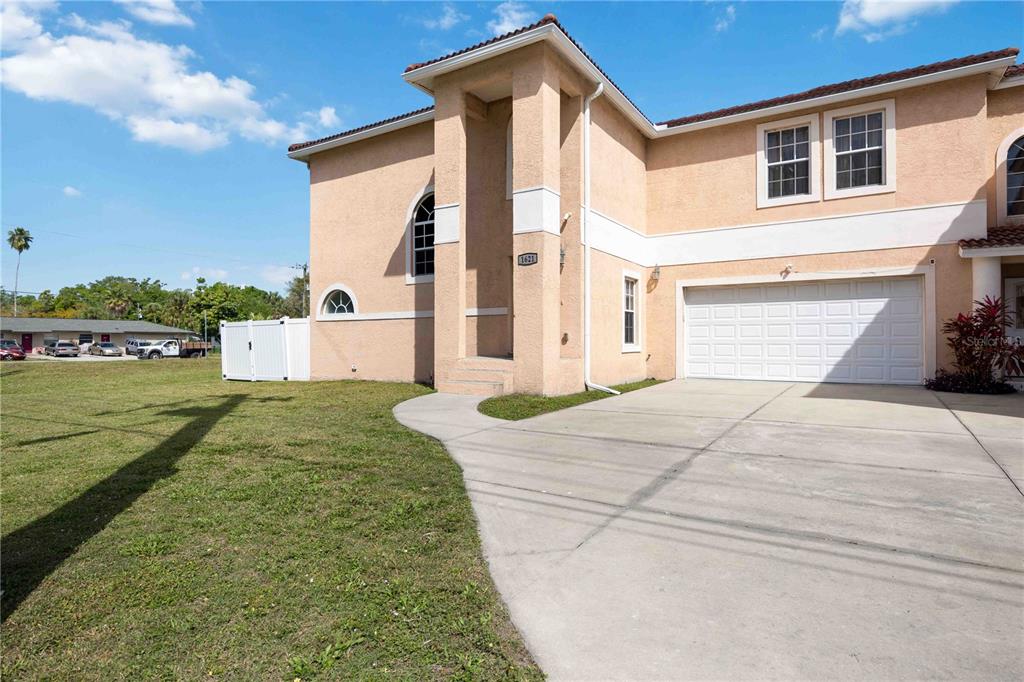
column 952, row 289
column 708, row 178
column 618, row 177
column 1005, row 115
column 608, row 363
column 360, row 199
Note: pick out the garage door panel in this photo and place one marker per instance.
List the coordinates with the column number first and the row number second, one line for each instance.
column 847, row 330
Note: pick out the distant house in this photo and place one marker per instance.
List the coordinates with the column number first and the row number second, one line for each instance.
column 34, row 332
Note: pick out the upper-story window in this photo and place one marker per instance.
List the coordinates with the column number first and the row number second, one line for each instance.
column 859, row 144
column 788, row 162
column 423, row 237
column 1015, row 178
column 860, row 150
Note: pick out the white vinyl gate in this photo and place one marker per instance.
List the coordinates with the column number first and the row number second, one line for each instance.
column 265, row 350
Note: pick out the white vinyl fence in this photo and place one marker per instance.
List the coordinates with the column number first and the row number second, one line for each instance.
column 265, row 350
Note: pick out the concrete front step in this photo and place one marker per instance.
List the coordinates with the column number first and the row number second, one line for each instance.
column 482, row 362
column 481, row 388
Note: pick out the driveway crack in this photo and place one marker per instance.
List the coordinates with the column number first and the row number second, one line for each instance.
column 980, row 444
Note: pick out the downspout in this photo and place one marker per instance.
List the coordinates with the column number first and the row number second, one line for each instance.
column 586, row 242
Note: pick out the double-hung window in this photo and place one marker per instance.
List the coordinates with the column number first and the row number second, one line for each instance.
column 860, row 150
column 788, row 167
column 630, row 313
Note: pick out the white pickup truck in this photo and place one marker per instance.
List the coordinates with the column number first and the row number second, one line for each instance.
column 169, row 348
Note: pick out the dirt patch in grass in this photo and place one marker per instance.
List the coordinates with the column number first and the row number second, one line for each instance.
column 521, row 406
column 161, row 523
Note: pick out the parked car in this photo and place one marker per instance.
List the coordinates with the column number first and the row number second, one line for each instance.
column 132, row 345
column 174, row 348
column 105, row 348
column 11, row 352
column 9, row 343
column 62, row 349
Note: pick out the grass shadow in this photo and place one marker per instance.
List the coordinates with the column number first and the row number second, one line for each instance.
column 34, row 551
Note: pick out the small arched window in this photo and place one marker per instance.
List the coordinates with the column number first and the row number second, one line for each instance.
column 423, row 237
column 1015, row 178
column 339, row 303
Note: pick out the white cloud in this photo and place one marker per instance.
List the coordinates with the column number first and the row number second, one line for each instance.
column 450, row 18
column 72, row 192
column 328, row 117
column 148, row 86
column 209, row 274
column 19, row 22
column 820, row 33
column 278, row 275
column 880, row 19
column 726, row 19
column 160, row 12
column 510, row 16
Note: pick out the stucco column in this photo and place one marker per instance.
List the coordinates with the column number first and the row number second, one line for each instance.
column 986, row 277
column 449, row 229
column 536, row 221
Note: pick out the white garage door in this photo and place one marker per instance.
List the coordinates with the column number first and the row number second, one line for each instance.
column 862, row 331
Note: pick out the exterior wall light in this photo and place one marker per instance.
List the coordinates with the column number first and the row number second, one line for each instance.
column 656, row 273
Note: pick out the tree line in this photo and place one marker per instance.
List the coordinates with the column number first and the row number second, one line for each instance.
column 127, row 298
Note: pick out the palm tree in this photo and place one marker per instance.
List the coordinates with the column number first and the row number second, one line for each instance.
column 20, row 240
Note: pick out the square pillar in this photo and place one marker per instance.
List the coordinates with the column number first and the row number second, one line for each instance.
column 536, row 128
column 449, row 229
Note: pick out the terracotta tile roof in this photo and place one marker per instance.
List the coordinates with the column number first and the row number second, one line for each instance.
column 546, row 19
column 997, row 236
column 846, row 86
column 1015, row 70
column 302, row 145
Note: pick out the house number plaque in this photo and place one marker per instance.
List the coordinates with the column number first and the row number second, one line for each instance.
column 528, row 258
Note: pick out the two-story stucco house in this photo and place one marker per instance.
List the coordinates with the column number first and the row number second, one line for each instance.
column 534, row 231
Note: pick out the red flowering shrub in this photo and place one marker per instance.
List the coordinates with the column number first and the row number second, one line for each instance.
column 982, row 353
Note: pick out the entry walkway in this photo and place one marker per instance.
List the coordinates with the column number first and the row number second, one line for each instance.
column 742, row 530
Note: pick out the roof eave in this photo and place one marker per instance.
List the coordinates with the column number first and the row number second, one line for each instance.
column 991, row 67
column 423, row 77
column 304, row 153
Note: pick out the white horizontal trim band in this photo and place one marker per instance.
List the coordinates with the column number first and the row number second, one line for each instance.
column 483, row 312
column 361, row 317
column 899, row 228
column 992, row 251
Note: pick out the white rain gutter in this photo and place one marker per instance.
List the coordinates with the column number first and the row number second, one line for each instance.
column 585, row 229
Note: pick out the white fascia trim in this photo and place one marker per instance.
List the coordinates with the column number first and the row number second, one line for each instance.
column 638, row 345
column 994, row 66
column 305, row 152
column 814, row 147
column 1011, row 82
column 485, row 312
column 358, row 317
column 991, row 251
column 926, row 271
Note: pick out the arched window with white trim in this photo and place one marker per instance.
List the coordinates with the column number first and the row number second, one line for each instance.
column 1015, row 178
column 422, row 248
column 338, row 302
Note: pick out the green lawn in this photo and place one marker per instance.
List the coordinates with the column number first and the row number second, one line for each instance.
column 521, row 406
column 161, row 523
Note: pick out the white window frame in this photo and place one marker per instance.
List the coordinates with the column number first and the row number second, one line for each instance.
column 814, row 157
column 1001, row 154
column 410, row 217
column 888, row 109
column 637, row 345
column 337, row 286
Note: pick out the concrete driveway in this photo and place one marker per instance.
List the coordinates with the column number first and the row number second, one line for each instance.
column 740, row 530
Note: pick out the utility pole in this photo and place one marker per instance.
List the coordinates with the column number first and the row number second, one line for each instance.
column 305, row 284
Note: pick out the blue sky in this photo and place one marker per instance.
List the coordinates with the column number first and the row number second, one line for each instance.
column 148, row 138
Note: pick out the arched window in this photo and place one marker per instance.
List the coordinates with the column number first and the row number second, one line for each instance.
column 338, row 302
column 1015, row 178
column 423, row 237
